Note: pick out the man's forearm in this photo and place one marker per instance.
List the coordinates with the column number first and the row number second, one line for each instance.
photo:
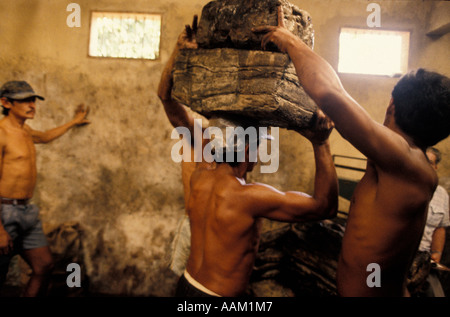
column 166, row 83
column 52, row 134
column 315, row 74
column 176, row 113
column 325, row 184
column 437, row 244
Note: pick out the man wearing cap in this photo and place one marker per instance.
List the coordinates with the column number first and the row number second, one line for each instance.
column 20, row 227
column 225, row 211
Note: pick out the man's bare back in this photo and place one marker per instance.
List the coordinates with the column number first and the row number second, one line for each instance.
column 225, row 212
column 225, row 235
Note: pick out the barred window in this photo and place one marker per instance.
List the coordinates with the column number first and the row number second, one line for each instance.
column 374, row 52
column 125, row 35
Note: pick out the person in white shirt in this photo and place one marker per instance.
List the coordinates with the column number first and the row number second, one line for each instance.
column 424, row 280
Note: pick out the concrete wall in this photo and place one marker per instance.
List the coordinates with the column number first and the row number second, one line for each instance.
column 115, row 176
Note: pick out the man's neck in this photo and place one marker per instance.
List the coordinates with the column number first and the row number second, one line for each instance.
column 394, row 127
column 240, row 171
column 15, row 122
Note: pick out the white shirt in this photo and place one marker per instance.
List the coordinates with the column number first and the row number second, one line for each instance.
column 438, row 216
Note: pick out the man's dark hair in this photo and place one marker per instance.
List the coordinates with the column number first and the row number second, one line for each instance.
column 422, row 106
column 236, row 156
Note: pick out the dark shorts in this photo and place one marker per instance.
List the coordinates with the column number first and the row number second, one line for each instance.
column 186, row 289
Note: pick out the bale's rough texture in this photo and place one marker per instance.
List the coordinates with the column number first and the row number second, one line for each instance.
column 229, row 23
column 260, row 85
column 229, row 75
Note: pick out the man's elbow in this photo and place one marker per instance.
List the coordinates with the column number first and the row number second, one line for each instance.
column 162, row 96
column 41, row 139
column 328, row 209
column 332, row 212
column 49, row 136
column 164, row 93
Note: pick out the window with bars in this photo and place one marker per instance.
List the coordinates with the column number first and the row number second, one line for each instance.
column 125, row 35
column 374, row 52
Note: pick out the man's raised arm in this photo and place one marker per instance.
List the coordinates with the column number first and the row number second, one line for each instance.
column 296, row 206
column 45, row 137
column 322, row 84
column 177, row 114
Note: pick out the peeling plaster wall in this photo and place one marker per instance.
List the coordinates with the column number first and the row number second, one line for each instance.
column 115, row 176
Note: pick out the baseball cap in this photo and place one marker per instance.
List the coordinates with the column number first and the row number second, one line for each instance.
column 18, row 90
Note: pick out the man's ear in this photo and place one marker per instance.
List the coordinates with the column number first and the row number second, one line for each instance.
column 6, row 103
column 391, row 108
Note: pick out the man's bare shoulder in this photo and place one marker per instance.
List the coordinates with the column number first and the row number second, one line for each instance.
column 217, row 181
column 259, row 188
column 261, row 195
column 200, row 172
column 27, row 128
column 3, row 133
column 407, row 161
column 415, row 179
column 2, row 123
